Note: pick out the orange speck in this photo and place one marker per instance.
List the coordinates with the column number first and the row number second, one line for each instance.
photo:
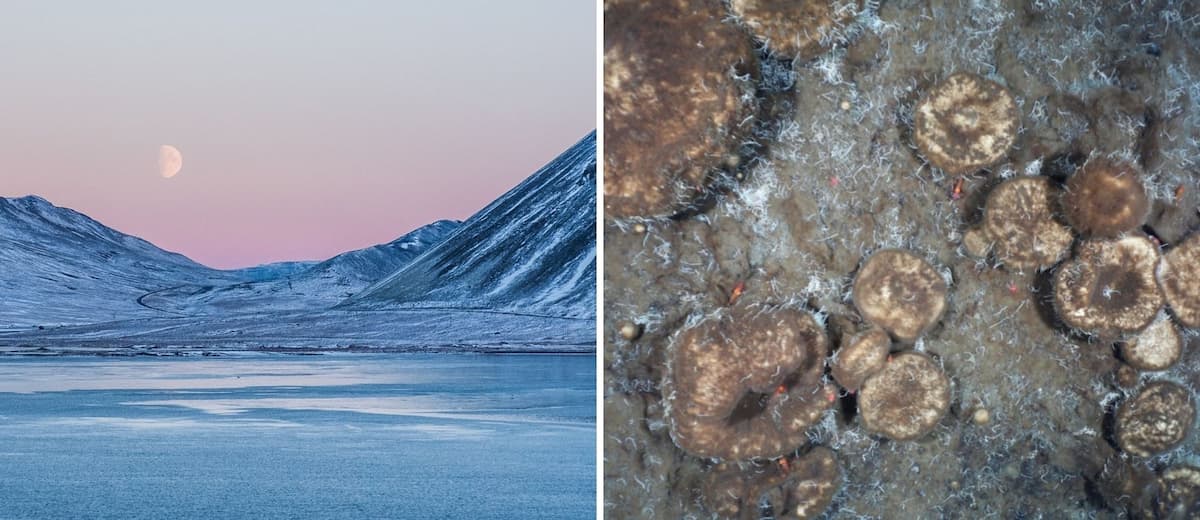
column 957, row 192
column 830, row 396
column 1179, row 194
column 785, row 465
column 781, row 389
column 737, row 292
column 833, row 182
column 1012, row 288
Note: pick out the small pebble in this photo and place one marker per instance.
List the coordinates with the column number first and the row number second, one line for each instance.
column 630, row 331
column 845, row 105
column 639, row 228
column 981, row 416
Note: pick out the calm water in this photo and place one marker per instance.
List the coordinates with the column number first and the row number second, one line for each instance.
column 353, row 436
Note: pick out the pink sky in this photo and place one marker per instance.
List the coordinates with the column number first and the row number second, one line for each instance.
column 306, row 128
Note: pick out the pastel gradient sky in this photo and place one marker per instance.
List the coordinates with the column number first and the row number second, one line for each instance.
column 307, row 128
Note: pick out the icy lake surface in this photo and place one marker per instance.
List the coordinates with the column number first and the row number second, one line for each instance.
column 345, row 436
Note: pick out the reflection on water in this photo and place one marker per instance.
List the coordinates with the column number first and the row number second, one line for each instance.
column 370, row 436
column 35, row 375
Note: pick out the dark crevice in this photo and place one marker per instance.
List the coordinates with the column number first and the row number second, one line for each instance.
column 849, row 406
column 1109, row 425
column 774, row 90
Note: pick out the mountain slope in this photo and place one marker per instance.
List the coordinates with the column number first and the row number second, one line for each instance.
column 373, row 263
column 320, row 286
column 60, row 266
column 533, row 250
column 273, row 271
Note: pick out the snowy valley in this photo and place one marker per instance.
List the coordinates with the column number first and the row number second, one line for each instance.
column 519, row 275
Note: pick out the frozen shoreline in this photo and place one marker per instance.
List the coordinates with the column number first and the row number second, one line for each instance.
column 410, row 330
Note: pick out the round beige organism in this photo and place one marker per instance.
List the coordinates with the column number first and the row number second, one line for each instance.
column 1109, row 288
column 906, row 399
column 1019, row 221
column 900, row 292
column 1156, row 419
column 1179, row 276
column 746, row 383
column 1106, row 198
column 170, row 161
column 965, row 123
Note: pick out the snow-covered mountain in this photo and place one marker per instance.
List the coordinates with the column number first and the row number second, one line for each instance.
column 320, row 286
column 60, row 266
column 531, row 250
column 517, row 276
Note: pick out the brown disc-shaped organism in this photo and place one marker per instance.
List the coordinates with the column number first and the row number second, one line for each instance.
column 1179, row 277
column 1155, row 420
column 810, row 486
column 1109, row 288
column 1019, row 221
column 906, row 399
column 800, row 489
column 1156, row 348
column 965, row 123
column 794, row 28
column 678, row 98
column 900, row 292
column 746, row 383
column 1178, row 494
column 1106, row 198
column 859, row 357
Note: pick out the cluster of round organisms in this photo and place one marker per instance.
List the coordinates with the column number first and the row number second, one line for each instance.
column 905, row 397
column 674, row 110
column 965, row 123
column 1155, row 420
column 746, row 384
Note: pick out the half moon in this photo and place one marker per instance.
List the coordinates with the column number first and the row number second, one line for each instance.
column 170, row 161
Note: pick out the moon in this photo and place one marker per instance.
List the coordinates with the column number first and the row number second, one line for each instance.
column 170, row 161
